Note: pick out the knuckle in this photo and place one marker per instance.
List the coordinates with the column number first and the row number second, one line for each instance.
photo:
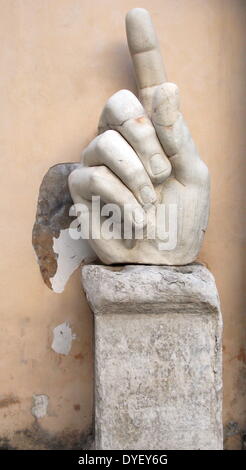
column 133, row 174
column 74, row 178
column 112, row 111
column 171, row 87
column 168, row 90
column 122, row 95
column 104, row 140
column 97, row 176
column 143, row 129
column 122, row 106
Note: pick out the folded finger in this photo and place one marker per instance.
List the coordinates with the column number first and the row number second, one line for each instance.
column 88, row 182
column 124, row 113
column 112, row 150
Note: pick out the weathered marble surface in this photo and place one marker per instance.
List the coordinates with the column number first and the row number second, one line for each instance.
column 144, row 155
column 158, row 377
column 57, row 254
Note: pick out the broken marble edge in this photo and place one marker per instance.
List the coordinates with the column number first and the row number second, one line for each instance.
column 57, row 254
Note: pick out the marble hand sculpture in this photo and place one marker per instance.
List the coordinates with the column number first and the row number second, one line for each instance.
column 144, row 157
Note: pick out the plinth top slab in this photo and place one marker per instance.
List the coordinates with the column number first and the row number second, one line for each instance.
column 133, row 288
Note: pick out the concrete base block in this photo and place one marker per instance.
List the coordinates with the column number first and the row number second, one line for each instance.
column 158, row 379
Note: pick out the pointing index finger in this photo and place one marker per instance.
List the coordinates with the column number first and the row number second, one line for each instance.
column 144, row 48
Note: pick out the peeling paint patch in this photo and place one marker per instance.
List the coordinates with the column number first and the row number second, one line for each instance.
column 62, row 338
column 40, row 406
column 70, row 254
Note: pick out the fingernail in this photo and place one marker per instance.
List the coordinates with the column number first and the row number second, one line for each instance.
column 157, row 164
column 147, row 195
column 129, row 244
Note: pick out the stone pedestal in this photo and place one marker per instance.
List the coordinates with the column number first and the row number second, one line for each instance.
column 158, row 379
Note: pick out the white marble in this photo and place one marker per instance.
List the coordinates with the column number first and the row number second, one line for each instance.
column 158, row 371
column 144, row 155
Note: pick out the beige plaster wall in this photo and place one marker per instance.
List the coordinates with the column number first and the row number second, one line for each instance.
column 60, row 61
